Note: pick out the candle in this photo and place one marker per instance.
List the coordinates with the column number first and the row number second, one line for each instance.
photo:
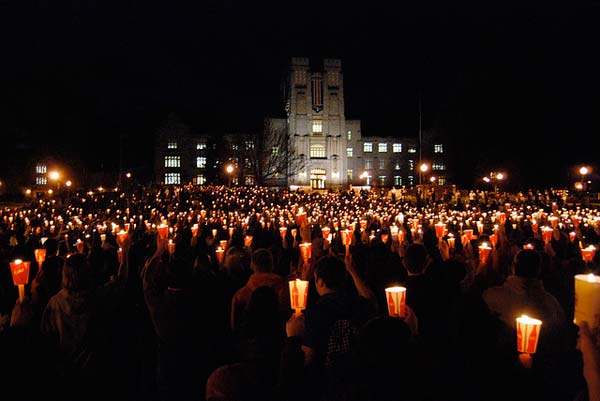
column 587, row 299
column 80, row 245
column 171, row 247
column 547, row 234
column 214, row 233
column 396, row 301
column 553, row 221
column 528, row 246
column 494, row 239
column 528, row 333
column 231, row 232
column 121, row 235
column 572, row 236
column 468, row 234
column 282, row 232
column 40, row 255
column 195, row 230
column 451, row 241
column 588, row 253
column 19, row 270
column 220, row 254
column 325, row 231
column 384, row 238
column 439, row 229
column 298, row 294
column 163, row 230
column 223, row 243
column 247, row 240
column 120, row 255
column 484, row 252
column 306, row 251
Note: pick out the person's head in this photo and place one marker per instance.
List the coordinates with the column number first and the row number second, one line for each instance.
column 415, row 258
column 51, row 246
column 77, row 273
column 527, row 264
column 330, row 273
column 262, row 261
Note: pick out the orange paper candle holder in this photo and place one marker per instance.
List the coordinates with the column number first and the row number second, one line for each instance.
column 282, row 232
column 396, row 301
column 547, row 234
column 325, row 231
column 40, row 255
column 163, row 230
column 384, row 238
column 223, row 243
column 171, row 247
column 306, row 250
column 298, row 294
column 528, row 333
column 220, row 252
column 468, row 233
column 248, row 240
column 484, row 252
column 19, row 270
column 439, row 229
column 587, row 253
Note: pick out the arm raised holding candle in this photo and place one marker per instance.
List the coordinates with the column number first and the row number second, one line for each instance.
column 361, row 286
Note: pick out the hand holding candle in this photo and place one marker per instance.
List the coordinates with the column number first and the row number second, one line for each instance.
column 396, row 301
column 298, row 294
column 19, row 270
column 528, row 333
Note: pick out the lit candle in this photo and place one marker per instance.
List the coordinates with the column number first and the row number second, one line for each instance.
column 439, row 229
column 248, row 240
column 528, row 333
column 547, row 234
column 220, row 252
column 282, row 232
column 587, row 299
column 396, row 301
column 163, row 230
column 588, row 253
column 298, row 294
column 468, row 232
column 451, row 241
column 223, row 243
column 553, row 221
column 572, row 236
column 19, row 270
column 325, row 231
column 171, row 247
column 484, row 252
column 384, row 238
column 195, row 230
column 306, row 251
column 40, row 255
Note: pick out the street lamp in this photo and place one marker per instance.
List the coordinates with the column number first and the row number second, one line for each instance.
column 365, row 176
column 229, row 170
column 583, row 171
column 423, row 168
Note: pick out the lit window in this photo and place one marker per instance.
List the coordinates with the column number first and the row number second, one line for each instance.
column 249, row 145
column 382, row 148
column 172, row 178
column 201, row 162
column 367, row 147
column 249, row 180
column 349, row 152
column 368, row 164
column 397, row 166
column 381, row 164
column 40, row 169
column 349, row 174
column 200, row 179
column 275, row 151
column 235, row 146
column 442, row 181
column 411, row 165
column 201, row 145
column 349, row 135
column 412, row 149
column 397, row 148
column 317, row 151
column 397, row 180
column 317, row 126
column 172, row 144
column 438, row 148
column 382, row 179
column 172, row 161
column 438, row 166
column 41, row 180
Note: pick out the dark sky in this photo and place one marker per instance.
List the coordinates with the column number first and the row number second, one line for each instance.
column 513, row 85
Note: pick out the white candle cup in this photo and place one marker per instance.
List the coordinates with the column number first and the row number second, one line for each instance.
column 587, row 299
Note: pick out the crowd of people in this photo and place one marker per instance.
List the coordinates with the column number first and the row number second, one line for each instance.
column 183, row 293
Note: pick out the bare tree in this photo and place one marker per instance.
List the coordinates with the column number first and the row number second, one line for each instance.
column 270, row 154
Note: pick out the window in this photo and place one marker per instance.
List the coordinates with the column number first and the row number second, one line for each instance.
column 411, row 165
column 172, row 178
column 249, row 145
column 397, row 166
column 201, row 162
column 41, row 180
column 397, row 180
column 368, row 164
column 381, row 164
column 200, row 179
column 349, row 152
column 442, row 181
column 275, row 151
column 249, row 180
column 382, row 148
column 172, row 161
column 397, row 148
column 412, row 149
column 349, row 174
column 317, row 126
column 317, row 152
column 382, row 180
column 438, row 167
column 368, row 147
column 235, row 147
column 201, row 145
column 438, row 148
column 349, row 135
column 40, row 169
column 172, row 144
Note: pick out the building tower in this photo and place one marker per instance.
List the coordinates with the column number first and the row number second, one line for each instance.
column 316, row 122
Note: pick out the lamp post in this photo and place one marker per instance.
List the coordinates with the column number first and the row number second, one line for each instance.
column 365, row 176
column 583, row 171
column 423, row 168
column 229, row 170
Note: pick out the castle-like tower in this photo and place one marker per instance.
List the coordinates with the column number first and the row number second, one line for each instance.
column 316, row 121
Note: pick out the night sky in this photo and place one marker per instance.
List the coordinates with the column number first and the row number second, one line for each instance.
column 513, row 85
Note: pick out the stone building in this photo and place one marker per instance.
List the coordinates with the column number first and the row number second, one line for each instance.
column 328, row 150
